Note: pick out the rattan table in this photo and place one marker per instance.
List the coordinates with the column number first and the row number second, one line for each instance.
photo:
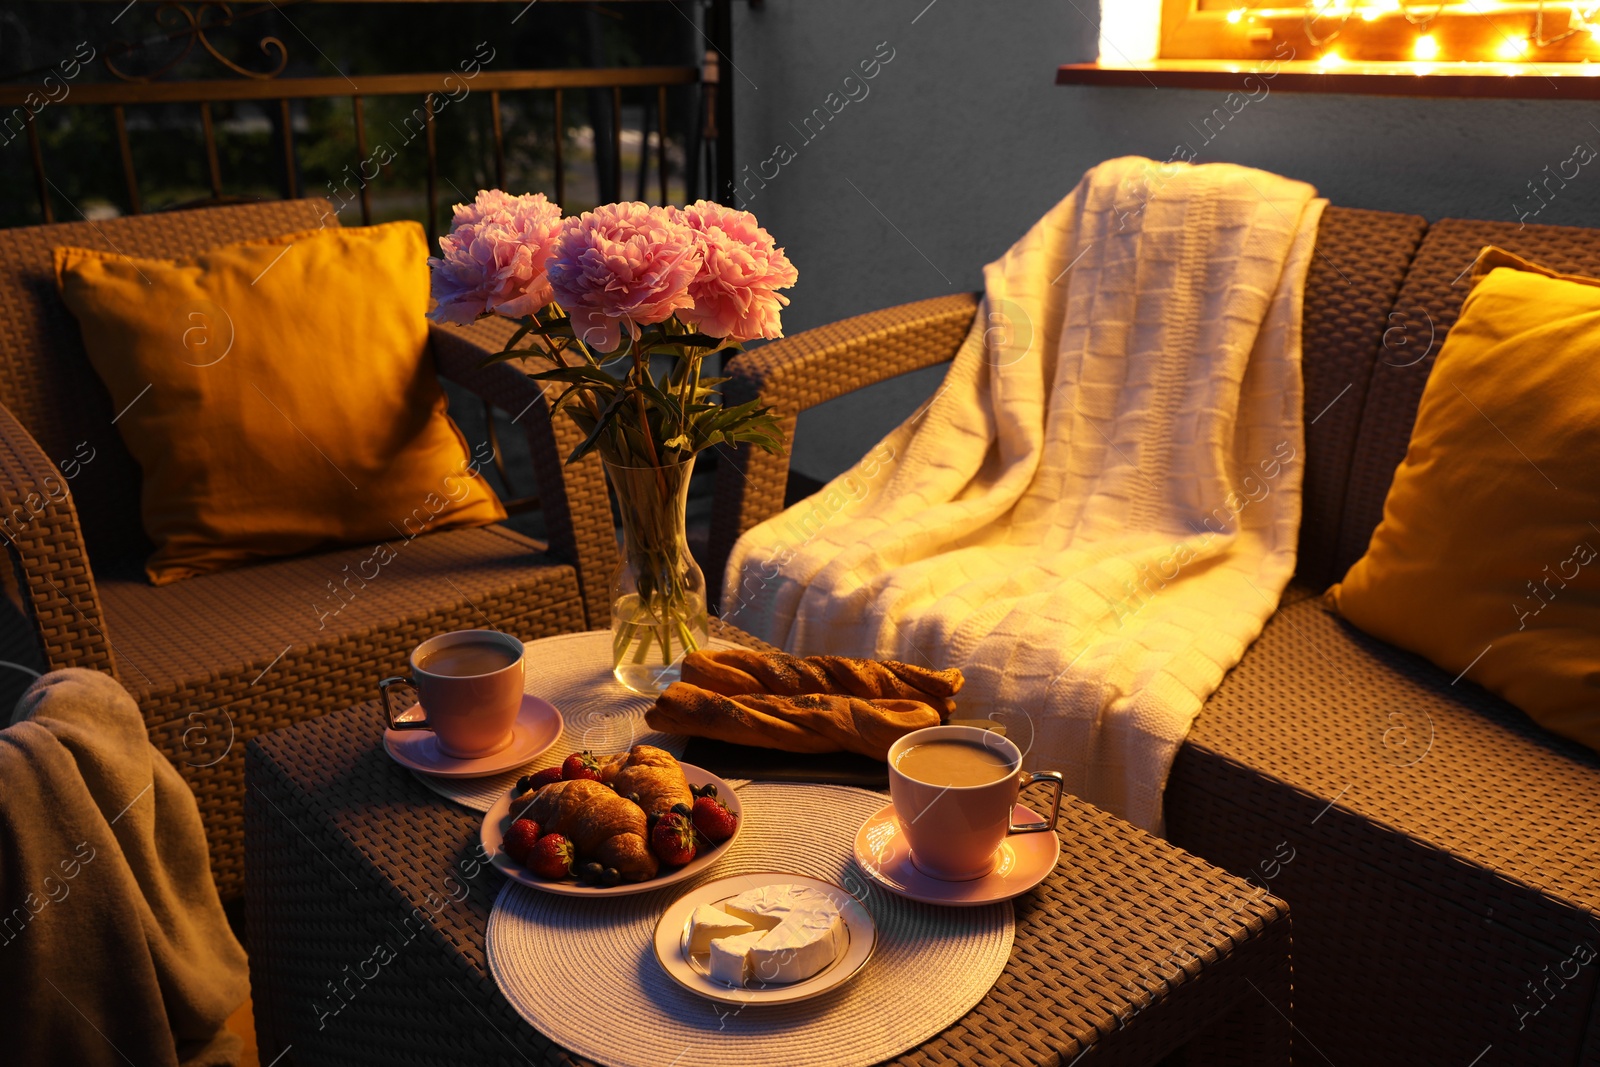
column 367, row 903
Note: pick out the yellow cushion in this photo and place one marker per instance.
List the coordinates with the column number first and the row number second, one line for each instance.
column 1486, row 560
column 277, row 394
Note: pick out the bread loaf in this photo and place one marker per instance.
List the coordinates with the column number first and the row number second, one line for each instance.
column 810, row 722
column 737, row 671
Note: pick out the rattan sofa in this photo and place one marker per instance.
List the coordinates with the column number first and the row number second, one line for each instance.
column 217, row 659
column 1440, row 853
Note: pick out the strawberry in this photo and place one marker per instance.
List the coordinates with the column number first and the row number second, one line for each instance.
column 520, row 839
column 580, row 765
column 673, row 840
column 552, row 857
column 539, row 779
column 715, row 822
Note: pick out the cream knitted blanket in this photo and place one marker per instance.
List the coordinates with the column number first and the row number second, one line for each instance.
column 1097, row 512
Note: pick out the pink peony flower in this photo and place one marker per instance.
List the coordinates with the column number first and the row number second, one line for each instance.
column 494, row 257
column 622, row 265
column 735, row 294
column 489, row 203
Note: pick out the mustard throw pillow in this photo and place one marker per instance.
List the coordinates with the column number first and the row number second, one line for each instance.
column 1486, row 560
column 277, row 394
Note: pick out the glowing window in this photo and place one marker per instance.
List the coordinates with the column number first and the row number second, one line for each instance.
column 1361, row 30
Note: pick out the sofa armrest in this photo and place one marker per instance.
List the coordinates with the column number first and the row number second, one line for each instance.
column 573, row 497
column 39, row 525
column 811, row 368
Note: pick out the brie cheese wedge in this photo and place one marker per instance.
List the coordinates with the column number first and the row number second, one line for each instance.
column 803, row 931
column 729, row 956
column 710, row 923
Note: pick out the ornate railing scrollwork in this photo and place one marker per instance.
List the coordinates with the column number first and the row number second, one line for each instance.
column 195, row 22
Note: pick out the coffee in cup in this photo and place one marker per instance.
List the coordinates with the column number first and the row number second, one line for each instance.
column 469, row 684
column 953, row 789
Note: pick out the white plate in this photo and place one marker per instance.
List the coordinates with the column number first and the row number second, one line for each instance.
column 538, row 726
column 499, row 819
column 691, row 972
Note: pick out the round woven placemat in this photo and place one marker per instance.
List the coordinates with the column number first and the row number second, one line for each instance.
column 573, row 672
column 584, row 972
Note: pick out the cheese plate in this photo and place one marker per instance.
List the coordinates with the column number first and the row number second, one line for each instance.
column 708, row 953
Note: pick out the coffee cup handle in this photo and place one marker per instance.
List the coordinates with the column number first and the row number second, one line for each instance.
column 1055, row 803
column 388, row 709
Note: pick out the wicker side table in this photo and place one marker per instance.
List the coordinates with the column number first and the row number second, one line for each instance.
column 367, row 903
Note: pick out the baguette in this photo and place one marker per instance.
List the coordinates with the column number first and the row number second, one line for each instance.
column 810, row 722
column 737, row 671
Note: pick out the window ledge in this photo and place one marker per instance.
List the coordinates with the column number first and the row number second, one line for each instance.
column 1537, row 81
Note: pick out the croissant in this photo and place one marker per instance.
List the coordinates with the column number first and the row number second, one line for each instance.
column 736, row 671
column 811, row 722
column 652, row 773
column 604, row 827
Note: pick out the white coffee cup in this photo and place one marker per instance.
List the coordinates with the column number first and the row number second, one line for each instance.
column 955, row 830
column 471, row 715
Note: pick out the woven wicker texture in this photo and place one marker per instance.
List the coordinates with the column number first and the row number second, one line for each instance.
column 598, row 713
column 553, row 956
column 1127, row 951
column 52, row 580
column 805, row 370
column 217, row 660
column 1351, row 285
column 1443, row 844
column 1426, row 309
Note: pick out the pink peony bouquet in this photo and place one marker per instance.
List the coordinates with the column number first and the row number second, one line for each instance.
column 601, row 293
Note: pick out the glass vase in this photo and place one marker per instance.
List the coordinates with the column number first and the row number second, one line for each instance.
column 658, row 594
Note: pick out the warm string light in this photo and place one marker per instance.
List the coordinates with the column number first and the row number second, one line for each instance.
column 1513, row 48
column 1583, row 16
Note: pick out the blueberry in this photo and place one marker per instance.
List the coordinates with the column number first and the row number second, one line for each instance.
column 708, row 790
column 610, row 876
column 634, row 797
column 525, row 783
column 590, row 872
column 683, row 809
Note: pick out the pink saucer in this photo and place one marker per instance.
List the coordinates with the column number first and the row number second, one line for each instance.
column 1023, row 861
column 538, row 726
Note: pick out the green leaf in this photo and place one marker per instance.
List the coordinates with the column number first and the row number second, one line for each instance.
column 502, row 357
column 698, row 340
column 606, row 417
column 577, row 374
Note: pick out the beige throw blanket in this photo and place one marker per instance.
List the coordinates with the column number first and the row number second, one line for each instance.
column 113, row 945
column 1097, row 512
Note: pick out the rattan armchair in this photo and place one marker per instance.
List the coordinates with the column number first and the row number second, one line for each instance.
column 1438, row 849
column 218, row 659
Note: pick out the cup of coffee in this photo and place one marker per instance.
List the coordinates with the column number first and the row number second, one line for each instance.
column 469, row 683
column 953, row 789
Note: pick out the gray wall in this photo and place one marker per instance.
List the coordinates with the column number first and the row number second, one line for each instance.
column 962, row 141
